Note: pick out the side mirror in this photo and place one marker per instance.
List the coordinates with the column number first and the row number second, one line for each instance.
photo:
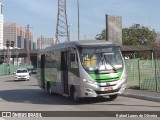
column 14, row 73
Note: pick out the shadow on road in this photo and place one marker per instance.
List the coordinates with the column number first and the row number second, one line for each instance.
column 38, row 96
column 15, row 80
column 29, row 92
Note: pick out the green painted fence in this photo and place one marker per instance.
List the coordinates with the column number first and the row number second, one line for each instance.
column 143, row 74
column 10, row 69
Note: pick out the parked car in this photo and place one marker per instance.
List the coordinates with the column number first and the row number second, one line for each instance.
column 22, row 74
column 30, row 70
column 34, row 70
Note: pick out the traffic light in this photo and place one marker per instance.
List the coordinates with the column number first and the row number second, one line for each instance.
column 7, row 43
column 12, row 43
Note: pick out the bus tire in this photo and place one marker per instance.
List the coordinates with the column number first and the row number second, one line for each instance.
column 113, row 97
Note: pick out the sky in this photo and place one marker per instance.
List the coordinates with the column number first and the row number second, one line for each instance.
column 41, row 15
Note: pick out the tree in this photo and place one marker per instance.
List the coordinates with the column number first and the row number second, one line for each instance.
column 158, row 37
column 138, row 35
column 134, row 35
column 102, row 35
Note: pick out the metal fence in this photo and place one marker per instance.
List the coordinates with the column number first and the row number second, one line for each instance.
column 10, row 69
column 143, row 74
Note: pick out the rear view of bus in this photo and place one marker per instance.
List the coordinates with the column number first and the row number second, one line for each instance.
column 102, row 70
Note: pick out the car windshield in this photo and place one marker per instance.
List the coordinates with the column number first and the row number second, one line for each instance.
column 22, row 71
column 101, row 58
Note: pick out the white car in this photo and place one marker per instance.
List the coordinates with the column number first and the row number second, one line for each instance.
column 22, row 74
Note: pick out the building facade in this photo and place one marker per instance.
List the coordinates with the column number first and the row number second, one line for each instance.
column 20, row 42
column 14, row 32
column 43, row 42
column 34, row 45
column 114, row 29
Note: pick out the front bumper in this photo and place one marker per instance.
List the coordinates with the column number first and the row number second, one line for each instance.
column 21, row 78
column 96, row 91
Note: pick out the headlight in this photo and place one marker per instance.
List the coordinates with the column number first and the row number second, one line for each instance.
column 87, row 81
column 84, row 80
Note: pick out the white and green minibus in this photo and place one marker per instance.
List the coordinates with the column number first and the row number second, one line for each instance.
column 81, row 69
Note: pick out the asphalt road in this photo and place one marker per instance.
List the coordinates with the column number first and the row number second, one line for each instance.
column 27, row 96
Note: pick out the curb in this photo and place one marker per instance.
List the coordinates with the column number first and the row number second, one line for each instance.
column 142, row 97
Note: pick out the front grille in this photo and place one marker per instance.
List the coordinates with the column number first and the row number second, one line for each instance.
column 106, row 85
column 22, row 76
column 107, row 80
column 105, row 92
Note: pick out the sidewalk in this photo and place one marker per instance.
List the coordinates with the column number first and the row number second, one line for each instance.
column 142, row 94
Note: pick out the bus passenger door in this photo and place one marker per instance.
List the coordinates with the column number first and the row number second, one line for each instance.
column 64, row 71
column 42, row 66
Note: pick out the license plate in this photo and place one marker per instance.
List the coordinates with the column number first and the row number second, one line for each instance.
column 108, row 88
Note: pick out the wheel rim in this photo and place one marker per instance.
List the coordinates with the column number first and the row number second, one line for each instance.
column 75, row 96
column 50, row 90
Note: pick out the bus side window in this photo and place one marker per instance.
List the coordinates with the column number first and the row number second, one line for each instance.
column 72, row 57
column 74, row 60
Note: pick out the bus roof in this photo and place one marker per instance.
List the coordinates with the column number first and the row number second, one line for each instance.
column 85, row 43
column 92, row 42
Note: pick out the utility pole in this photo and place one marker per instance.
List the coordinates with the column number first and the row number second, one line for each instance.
column 78, row 20
column 1, row 5
column 27, row 45
column 62, row 23
column 8, row 46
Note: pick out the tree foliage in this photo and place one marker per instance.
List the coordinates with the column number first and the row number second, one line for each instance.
column 102, row 35
column 138, row 35
column 134, row 35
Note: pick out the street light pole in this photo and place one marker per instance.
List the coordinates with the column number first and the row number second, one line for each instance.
column 8, row 57
column 17, row 56
column 78, row 20
column 27, row 47
column 4, row 57
column 8, row 45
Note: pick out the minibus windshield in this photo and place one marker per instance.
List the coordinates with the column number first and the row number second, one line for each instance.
column 101, row 58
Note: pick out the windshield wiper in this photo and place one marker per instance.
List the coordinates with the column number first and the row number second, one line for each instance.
column 107, row 61
column 110, row 64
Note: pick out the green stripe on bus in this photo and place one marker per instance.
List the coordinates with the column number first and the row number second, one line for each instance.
column 106, row 77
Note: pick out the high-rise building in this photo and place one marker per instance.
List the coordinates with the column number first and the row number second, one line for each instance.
column 1, row 26
column 114, row 29
column 43, row 42
column 20, row 43
column 34, row 45
column 13, row 31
